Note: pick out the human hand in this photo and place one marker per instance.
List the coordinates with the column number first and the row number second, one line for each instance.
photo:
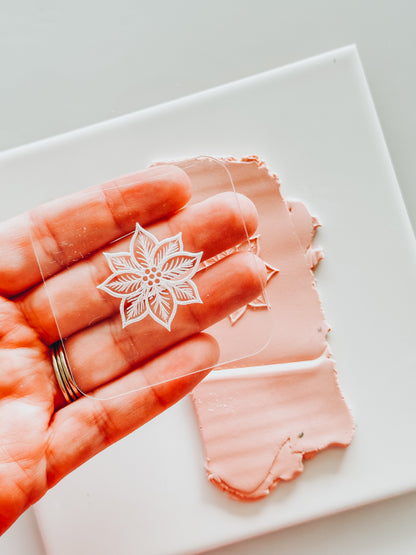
column 42, row 438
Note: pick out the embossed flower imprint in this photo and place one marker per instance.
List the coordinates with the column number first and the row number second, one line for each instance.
column 153, row 278
column 253, row 246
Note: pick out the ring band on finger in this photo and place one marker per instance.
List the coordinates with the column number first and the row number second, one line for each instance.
column 63, row 373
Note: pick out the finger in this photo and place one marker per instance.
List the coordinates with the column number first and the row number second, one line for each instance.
column 211, row 226
column 72, row 227
column 106, row 350
column 82, row 429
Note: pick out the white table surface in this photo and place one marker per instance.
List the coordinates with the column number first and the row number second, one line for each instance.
column 65, row 65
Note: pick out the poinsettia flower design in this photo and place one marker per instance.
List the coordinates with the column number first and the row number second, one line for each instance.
column 252, row 245
column 153, row 278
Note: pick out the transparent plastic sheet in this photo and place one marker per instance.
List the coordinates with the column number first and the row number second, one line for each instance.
column 140, row 295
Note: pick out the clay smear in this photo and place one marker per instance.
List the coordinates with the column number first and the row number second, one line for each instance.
column 258, row 426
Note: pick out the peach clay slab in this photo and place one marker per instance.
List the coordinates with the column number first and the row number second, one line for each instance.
column 258, row 425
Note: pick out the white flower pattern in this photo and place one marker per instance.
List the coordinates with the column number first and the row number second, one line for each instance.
column 153, row 278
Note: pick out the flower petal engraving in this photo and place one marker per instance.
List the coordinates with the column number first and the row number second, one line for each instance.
column 142, row 246
column 162, row 307
column 186, row 293
column 133, row 309
column 180, row 267
column 153, row 278
column 120, row 261
column 122, row 284
column 166, row 248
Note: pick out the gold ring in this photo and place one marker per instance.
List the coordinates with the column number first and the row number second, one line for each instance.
column 63, row 373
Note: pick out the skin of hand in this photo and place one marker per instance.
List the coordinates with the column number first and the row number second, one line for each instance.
column 41, row 437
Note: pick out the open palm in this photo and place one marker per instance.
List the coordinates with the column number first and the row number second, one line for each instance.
column 41, row 437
